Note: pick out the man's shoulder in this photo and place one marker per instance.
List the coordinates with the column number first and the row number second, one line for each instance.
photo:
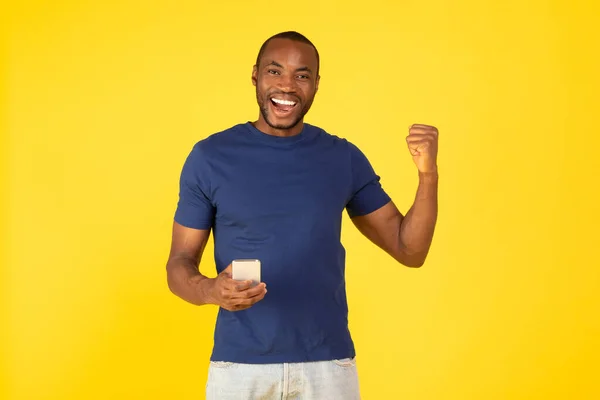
column 217, row 139
column 335, row 139
column 328, row 136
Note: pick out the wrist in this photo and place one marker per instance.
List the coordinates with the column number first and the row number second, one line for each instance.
column 204, row 288
column 431, row 175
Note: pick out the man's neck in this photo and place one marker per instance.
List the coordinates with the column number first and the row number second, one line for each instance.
column 262, row 126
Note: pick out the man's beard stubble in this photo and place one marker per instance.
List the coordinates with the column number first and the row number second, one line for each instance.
column 264, row 110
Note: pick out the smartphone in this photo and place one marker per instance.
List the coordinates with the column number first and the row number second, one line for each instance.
column 246, row 270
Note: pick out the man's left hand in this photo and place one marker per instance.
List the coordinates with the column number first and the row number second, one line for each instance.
column 422, row 143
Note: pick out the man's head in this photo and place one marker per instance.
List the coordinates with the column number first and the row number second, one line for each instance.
column 286, row 76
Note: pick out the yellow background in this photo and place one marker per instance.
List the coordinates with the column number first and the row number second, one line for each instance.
column 102, row 101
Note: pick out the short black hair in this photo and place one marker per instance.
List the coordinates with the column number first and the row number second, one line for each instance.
column 291, row 35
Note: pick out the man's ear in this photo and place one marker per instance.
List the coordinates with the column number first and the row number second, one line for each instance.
column 254, row 75
column 317, row 83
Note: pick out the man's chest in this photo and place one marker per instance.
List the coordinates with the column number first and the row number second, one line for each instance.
column 279, row 189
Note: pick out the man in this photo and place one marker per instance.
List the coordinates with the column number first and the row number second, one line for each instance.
column 275, row 190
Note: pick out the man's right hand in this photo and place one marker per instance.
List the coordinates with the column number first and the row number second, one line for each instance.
column 234, row 295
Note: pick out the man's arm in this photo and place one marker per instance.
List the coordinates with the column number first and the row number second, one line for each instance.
column 183, row 274
column 406, row 238
column 186, row 281
column 409, row 238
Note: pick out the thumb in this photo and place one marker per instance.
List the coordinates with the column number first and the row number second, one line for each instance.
column 414, row 150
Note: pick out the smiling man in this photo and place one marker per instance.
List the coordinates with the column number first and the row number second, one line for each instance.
column 275, row 190
column 284, row 104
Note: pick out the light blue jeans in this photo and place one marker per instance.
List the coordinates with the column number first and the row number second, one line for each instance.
column 323, row 380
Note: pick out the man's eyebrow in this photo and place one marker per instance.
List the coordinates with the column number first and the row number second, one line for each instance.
column 276, row 64
column 304, row 69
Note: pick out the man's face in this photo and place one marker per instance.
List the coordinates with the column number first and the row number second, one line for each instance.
column 286, row 82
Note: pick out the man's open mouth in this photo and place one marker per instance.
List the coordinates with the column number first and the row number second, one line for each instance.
column 283, row 105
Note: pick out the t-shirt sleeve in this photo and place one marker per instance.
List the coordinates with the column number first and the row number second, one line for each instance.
column 195, row 208
column 367, row 193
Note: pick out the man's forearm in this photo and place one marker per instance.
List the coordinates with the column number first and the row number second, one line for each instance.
column 186, row 281
column 417, row 227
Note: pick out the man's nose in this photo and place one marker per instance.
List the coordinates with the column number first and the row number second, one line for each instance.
column 287, row 83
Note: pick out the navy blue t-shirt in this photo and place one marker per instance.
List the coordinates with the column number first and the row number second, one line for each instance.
column 280, row 200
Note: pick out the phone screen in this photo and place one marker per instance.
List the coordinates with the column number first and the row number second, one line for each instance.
column 246, row 270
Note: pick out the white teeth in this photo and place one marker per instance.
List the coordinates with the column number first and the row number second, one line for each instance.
column 284, row 102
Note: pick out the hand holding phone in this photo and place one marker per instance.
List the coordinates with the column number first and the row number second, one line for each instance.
column 238, row 286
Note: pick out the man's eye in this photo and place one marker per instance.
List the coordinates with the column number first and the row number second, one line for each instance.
column 303, row 76
column 273, row 72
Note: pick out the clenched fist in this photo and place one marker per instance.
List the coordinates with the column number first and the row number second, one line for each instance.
column 234, row 295
column 422, row 143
